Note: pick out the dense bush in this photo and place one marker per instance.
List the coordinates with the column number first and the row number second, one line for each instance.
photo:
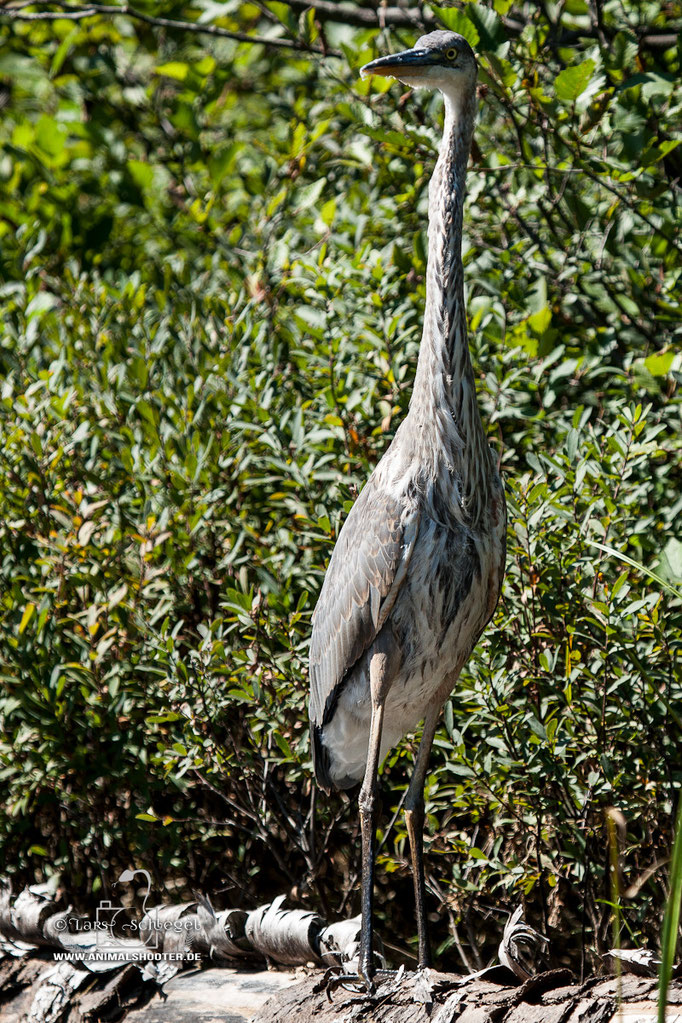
column 212, row 278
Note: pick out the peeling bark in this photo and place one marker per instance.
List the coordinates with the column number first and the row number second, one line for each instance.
column 225, row 933
column 285, row 936
column 340, row 942
column 173, row 929
column 24, row 919
column 433, row 997
column 90, row 987
column 54, row 993
column 267, row 934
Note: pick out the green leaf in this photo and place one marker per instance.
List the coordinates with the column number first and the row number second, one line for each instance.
column 536, row 727
column 539, row 322
column 636, row 564
column 458, row 21
column 283, row 745
column 174, row 69
column 659, row 363
column 309, row 195
column 476, row 854
column 671, row 559
column 205, row 66
column 50, row 136
column 26, row 617
column 573, row 81
column 117, row 595
column 141, row 173
column 671, row 919
column 490, row 29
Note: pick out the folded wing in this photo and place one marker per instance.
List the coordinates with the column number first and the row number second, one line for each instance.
column 367, row 568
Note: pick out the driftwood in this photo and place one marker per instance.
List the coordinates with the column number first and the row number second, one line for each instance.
column 23, row 920
column 521, row 946
column 268, row 934
column 37, row 990
column 224, row 932
column 242, row 997
column 173, row 929
column 54, row 993
column 289, row 937
column 57, row 966
column 433, row 997
column 339, row 943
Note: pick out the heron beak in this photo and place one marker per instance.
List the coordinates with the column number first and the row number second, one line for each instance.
column 397, row 63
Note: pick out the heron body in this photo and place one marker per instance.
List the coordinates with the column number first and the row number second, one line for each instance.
column 422, row 573
column 417, row 568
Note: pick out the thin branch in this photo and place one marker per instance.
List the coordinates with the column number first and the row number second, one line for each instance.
column 646, row 41
column 75, row 12
column 400, row 17
column 630, row 205
column 365, row 17
column 325, row 10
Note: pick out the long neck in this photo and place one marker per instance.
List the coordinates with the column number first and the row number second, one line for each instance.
column 443, row 409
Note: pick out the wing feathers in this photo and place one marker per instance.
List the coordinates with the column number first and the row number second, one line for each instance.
column 367, row 567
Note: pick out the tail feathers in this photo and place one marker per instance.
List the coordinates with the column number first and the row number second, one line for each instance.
column 320, row 758
column 322, row 765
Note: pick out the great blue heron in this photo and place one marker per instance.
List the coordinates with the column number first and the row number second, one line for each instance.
column 417, row 568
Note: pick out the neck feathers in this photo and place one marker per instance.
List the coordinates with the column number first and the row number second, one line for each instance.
column 443, row 408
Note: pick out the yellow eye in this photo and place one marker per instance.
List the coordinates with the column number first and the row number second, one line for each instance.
column 451, row 54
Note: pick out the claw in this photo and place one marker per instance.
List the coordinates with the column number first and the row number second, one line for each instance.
column 366, row 971
column 356, row 983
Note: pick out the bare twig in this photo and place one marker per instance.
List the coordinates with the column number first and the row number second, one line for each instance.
column 325, row 10
column 77, row 12
column 366, row 17
column 404, row 17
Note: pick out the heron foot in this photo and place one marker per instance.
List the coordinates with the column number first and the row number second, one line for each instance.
column 366, row 972
column 355, row 983
column 352, row 982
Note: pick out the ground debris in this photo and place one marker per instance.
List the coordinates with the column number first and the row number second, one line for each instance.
column 50, row 971
column 551, row 997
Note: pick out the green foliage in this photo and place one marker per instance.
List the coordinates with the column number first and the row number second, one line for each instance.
column 671, row 921
column 212, row 263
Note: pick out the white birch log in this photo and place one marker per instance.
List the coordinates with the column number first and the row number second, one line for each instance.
column 285, row 936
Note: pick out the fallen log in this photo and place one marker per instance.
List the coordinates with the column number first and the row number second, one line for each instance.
column 99, row 972
column 432, row 997
column 282, row 997
column 265, row 935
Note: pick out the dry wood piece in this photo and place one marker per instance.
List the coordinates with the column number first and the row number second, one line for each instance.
column 36, row 989
column 225, row 932
column 640, row 961
column 24, row 919
column 547, row 998
column 520, row 946
column 123, row 991
column 173, row 929
column 292, row 937
column 285, row 936
column 340, row 942
column 53, row 992
column 18, row 974
column 32, row 984
column 62, row 929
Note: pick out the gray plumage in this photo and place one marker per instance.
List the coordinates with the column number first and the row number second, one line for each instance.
column 418, row 565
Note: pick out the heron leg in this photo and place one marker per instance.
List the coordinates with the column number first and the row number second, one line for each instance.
column 384, row 659
column 414, row 819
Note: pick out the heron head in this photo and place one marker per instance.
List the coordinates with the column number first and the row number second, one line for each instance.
column 440, row 60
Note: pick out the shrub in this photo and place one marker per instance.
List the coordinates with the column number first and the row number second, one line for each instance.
column 212, row 267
